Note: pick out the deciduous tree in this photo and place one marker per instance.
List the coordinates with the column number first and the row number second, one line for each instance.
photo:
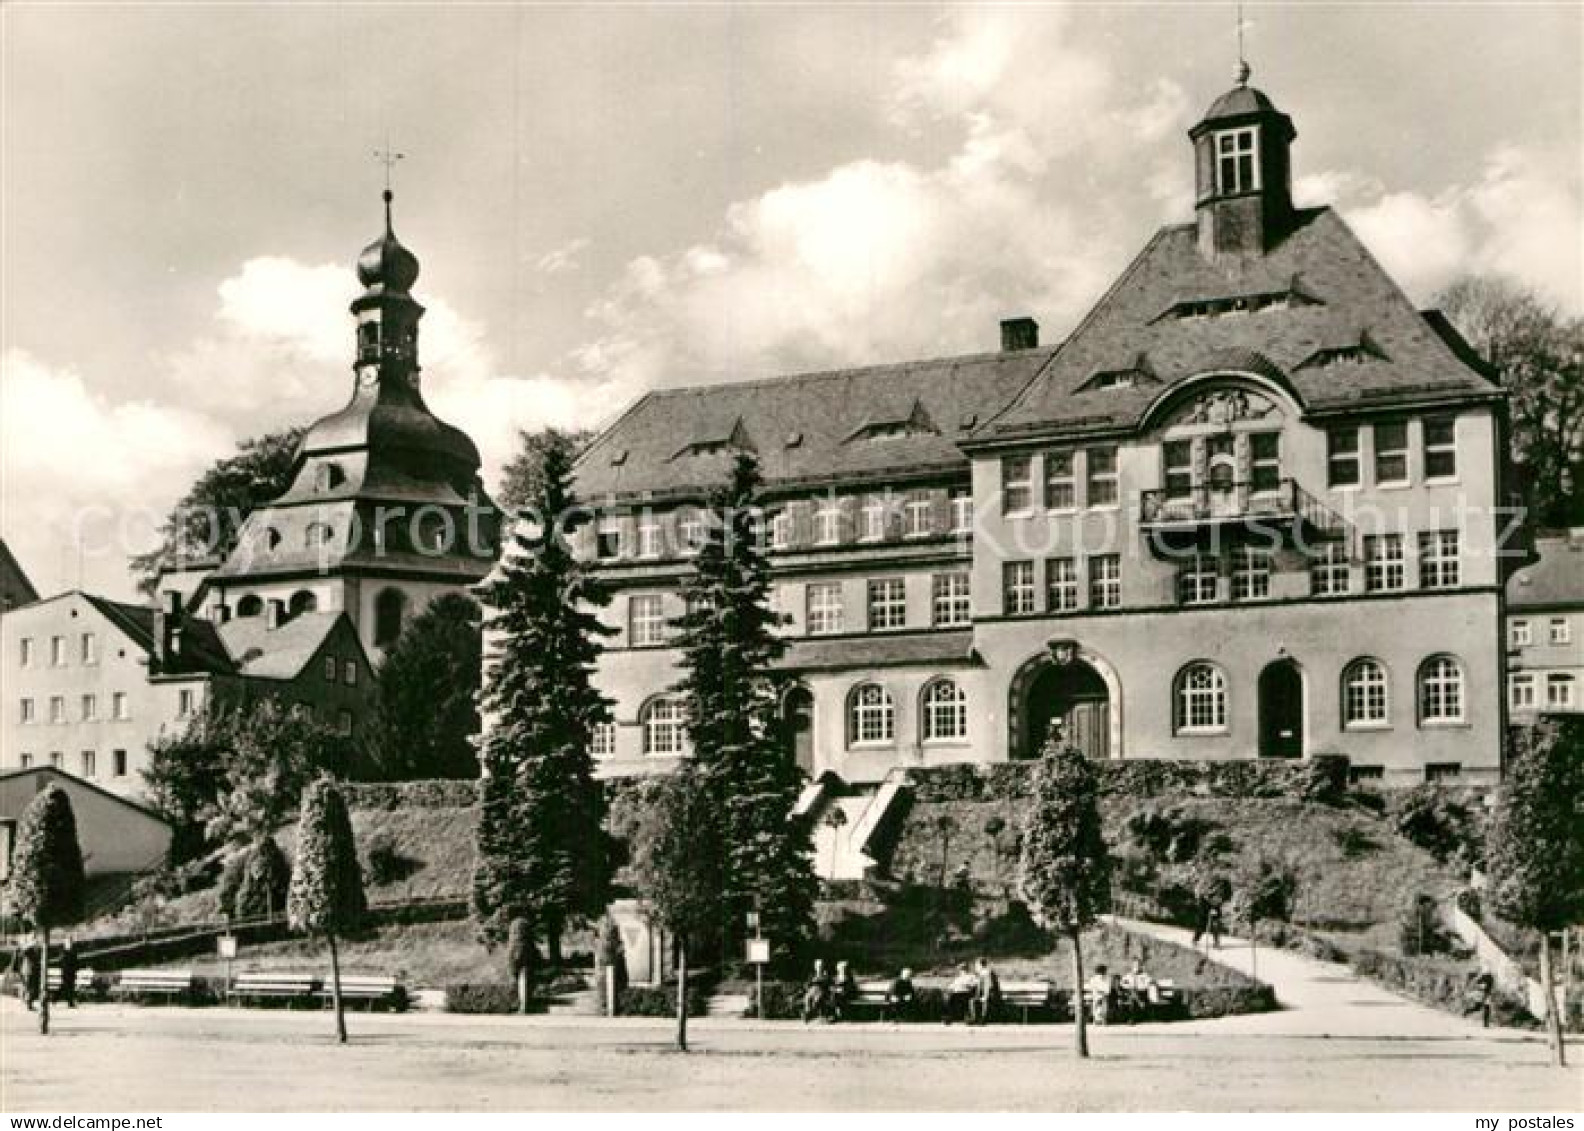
column 326, row 896
column 1065, row 871
column 46, row 885
column 425, row 715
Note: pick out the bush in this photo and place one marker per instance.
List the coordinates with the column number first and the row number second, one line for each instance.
column 660, row 1001
column 384, row 863
column 434, row 793
column 1419, row 929
column 1225, row 1001
column 1323, row 779
column 482, row 997
column 1442, row 823
column 1354, row 842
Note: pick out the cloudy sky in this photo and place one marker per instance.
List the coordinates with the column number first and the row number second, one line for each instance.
column 610, row 199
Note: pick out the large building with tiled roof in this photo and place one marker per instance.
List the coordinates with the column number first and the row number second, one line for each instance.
column 1247, row 509
column 1545, row 629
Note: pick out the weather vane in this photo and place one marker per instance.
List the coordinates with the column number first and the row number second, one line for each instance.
column 388, row 157
column 1242, row 67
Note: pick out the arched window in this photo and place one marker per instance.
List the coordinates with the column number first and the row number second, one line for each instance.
column 871, row 715
column 318, row 534
column 269, row 538
column 390, row 607
column 250, row 606
column 1441, row 690
column 328, row 477
column 1199, row 693
column 432, row 531
column 945, row 711
column 1365, row 694
column 663, row 730
column 303, row 601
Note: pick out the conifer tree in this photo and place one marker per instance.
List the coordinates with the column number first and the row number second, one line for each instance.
column 1065, row 871
column 729, row 645
column 326, row 896
column 46, row 886
column 542, row 852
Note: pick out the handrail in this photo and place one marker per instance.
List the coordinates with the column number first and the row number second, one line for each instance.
column 1238, row 501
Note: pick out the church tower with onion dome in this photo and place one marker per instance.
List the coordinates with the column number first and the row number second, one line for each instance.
column 386, row 509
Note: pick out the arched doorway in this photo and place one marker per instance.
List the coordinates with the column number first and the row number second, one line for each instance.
column 1073, row 692
column 1281, row 710
column 797, row 712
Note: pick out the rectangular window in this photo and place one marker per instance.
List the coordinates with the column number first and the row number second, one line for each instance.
column 1366, row 773
column 1101, row 468
column 646, row 620
column 1265, row 461
column 649, row 537
column 602, row 740
column 875, row 510
column 1177, row 459
column 1342, row 456
column 1438, row 559
column 1391, row 453
column 330, row 667
column 781, row 530
column 118, row 763
column 1061, row 486
column 88, row 762
column 56, row 758
column 28, row 715
column 1383, row 563
column 89, row 648
column 824, row 608
column 1017, row 588
column 1559, row 690
column 1519, row 634
column 1196, row 581
column 1017, row 484
column 1236, row 168
column 962, row 511
column 186, row 701
column 90, row 708
column 1251, row 574
column 1061, row 585
column 827, row 523
column 607, row 539
column 1521, row 691
column 27, row 651
column 1329, row 575
column 1105, row 581
column 119, row 707
column 1440, row 447
column 349, row 673
column 344, row 723
column 57, row 708
column 1561, row 632
column 27, row 760
column 950, row 602
column 57, row 651
column 887, row 604
column 916, row 518
column 1443, row 771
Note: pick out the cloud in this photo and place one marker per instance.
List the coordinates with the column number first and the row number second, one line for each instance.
column 1031, row 212
column 1520, row 216
column 563, row 259
column 82, row 471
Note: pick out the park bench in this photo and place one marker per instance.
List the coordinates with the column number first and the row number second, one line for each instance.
column 144, row 984
column 870, row 998
column 1028, row 998
column 373, row 992
column 274, row 985
column 1168, row 1001
column 84, row 984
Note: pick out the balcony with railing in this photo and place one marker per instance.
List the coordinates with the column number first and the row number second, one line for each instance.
column 1174, row 519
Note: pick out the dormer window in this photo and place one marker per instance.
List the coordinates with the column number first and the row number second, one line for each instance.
column 1237, row 170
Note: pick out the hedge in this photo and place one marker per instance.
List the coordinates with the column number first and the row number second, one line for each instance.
column 434, row 793
column 483, row 997
column 660, row 1001
column 1320, row 778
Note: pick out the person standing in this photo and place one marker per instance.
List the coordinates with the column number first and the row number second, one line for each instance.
column 31, row 978
column 68, row 974
column 960, row 995
column 817, row 995
column 987, row 993
column 846, row 991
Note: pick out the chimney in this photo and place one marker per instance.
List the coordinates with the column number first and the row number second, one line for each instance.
column 167, row 627
column 1019, row 334
column 274, row 614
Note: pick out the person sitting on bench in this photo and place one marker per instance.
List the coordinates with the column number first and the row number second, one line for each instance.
column 987, row 994
column 817, row 994
column 846, row 991
column 1102, row 994
column 960, row 995
column 1139, row 991
column 900, row 997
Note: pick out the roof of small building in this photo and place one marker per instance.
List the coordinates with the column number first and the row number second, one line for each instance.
column 1316, row 313
column 1555, row 579
column 816, row 426
column 201, row 652
column 281, row 652
column 82, row 783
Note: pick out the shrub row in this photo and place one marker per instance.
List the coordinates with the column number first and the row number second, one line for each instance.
column 1437, row 984
column 1321, row 778
column 660, row 1001
column 482, row 997
column 434, row 793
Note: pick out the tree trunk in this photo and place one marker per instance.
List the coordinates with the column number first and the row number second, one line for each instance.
column 682, row 988
column 553, row 943
column 1081, row 1032
column 43, row 981
column 522, row 989
column 335, row 988
column 1553, row 1022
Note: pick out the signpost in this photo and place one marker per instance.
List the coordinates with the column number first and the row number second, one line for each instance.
column 226, row 947
column 758, row 956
